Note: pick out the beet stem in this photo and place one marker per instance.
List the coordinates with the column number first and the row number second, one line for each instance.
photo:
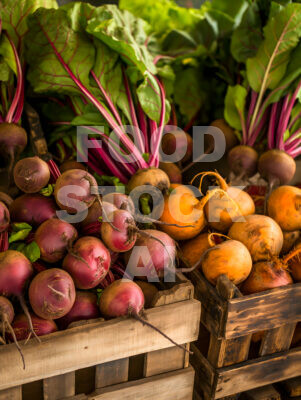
column 144, row 322
column 26, row 312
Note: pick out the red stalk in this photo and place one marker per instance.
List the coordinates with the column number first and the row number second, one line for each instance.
column 254, row 96
column 120, row 158
column 271, row 131
column 18, row 93
column 141, row 145
column 109, row 163
column 154, row 160
column 293, row 136
column 107, row 98
column 54, row 170
column 122, row 136
column 143, row 126
column 257, row 129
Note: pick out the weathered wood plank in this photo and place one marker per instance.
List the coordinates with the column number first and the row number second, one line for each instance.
column 224, row 352
column 259, row 372
column 177, row 385
column 98, row 343
column 213, row 306
column 262, row 393
column 263, row 311
column 166, row 360
column 14, row 393
column 292, row 386
column 161, row 361
column 205, row 374
column 112, row 373
column 278, row 339
column 60, row 386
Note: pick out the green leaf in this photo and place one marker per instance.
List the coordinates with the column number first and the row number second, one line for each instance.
column 18, row 226
column 235, row 102
column 50, row 38
column 227, row 14
column 20, row 232
column 292, row 73
column 79, row 13
column 123, row 33
column 188, row 93
column 4, row 71
column 163, row 16
column 108, row 70
column 14, row 16
column 281, row 36
column 32, row 251
column 6, row 51
column 247, row 36
column 48, row 190
column 149, row 97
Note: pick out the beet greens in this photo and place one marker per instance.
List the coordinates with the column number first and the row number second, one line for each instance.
column 97, row 58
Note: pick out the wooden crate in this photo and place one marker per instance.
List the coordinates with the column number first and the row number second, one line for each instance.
column 228, row 364
column 116, row 359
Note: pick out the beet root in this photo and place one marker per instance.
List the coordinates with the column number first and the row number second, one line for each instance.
column 54, row 237
column 88, row 262
column 75, row 186
column 31, row 174
column 32, row 208
column 52, row 293
column 85, row 307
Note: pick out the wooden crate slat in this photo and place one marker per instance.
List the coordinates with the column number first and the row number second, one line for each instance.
column 260, row 372
column 263, row 311
column 292, row 386
column 278, row 339
column 58, row 387
column 94, row 344
column 14, row 393
column 161, row 361
column 213, row 306
column 111, row 373
column 177, row 385
column 263, row 393
column 227, row 352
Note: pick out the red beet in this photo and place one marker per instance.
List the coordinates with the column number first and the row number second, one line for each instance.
column 52, row 293
column 121, row 233
column 242, row 161
column 31, row 174
column 120, row 201
column 266, row 275
column 91, row 224
column 88, row 262
column 6, row 199
column 122, row 297
column 151, row 255
column 13, row 140
column 85, row 307
column 6, row 310
column 125, row 298
column 4, row 217
column 41, row 326
column 15, row 270
column 32, row 208
column 54, row 237
column 71, row 164
column 178, row 142
column 73, row 190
